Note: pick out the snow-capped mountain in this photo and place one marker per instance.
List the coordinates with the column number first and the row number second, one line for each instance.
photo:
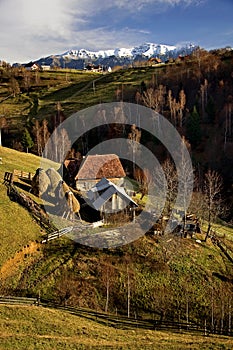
column 146, row 50
column 119, row 56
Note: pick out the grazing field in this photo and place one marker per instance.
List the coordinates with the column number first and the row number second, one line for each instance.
column 38, row 328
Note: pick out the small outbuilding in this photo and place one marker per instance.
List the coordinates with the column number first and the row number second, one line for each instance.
column 107, row 197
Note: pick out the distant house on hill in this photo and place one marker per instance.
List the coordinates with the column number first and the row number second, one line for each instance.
column 32, row 66
column 155, row 60
column 36, row 67
column 45, row 67
column 94, row 68
column 96, row 167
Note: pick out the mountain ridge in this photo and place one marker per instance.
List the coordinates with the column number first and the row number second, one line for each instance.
column 77, row 58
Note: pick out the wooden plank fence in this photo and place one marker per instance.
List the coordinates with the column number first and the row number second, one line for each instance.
column 57, row 234
column 117, row 320
column 222, row 246
column 10, row 177
column 35, row 209
column 80, row 227
column 18, row 300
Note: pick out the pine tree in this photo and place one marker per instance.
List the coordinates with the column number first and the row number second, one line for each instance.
column 37, row 137
column 193, row 128
column 211, row 109
column 27, row 140
column 3, row 125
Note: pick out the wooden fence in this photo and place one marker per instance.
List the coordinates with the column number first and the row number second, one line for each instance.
column 35, row 209
column 18, row 300
column 78, row 226
column 220, row 243
column 10, row 177
column 120, row 321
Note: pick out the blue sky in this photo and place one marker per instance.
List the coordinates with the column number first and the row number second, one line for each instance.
column 34, row 29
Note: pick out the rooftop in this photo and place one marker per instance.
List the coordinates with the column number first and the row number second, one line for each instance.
column 99, row 166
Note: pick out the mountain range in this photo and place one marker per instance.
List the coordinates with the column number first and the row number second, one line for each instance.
column 118, row 56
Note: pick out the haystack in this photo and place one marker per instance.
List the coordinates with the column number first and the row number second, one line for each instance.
column 71, row 204
column 54, row 177
column 40, row 182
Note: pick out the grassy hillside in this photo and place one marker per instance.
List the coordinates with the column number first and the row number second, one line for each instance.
column 17, row 227
column 25, row 327
column 166, row 273
column 39, row 84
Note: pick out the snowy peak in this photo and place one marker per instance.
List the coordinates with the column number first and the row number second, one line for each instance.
column 79, row 58
column 146, row 50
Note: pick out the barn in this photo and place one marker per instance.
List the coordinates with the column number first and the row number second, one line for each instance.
column 96, row 167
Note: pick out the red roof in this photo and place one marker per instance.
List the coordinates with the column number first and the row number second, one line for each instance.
column 99, row 166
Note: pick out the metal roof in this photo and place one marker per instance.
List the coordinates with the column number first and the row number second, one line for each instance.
column 105, row 190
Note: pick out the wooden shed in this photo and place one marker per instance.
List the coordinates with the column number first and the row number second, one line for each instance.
column 106, row 197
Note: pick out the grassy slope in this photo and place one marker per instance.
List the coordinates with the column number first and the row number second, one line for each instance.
column 75, row 91
column 47, row 84
column 32, row 268
column 20, row 254
column 30, row 327
column 16, row 225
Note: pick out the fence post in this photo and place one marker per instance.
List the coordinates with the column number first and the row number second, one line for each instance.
column 12, row 177
column 205, row 329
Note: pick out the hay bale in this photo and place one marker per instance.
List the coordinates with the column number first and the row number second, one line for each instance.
column 66, row 199
column 54, row 177
column 75, row 203
column 40, row 182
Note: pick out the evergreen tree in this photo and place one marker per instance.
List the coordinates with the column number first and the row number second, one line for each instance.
column 27, row 140
column 211, row 109
column 193, row 128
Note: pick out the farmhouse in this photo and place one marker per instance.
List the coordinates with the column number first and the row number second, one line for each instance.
column 155, row 60
column 96, row 167
column 32, row 66
column 94, row 68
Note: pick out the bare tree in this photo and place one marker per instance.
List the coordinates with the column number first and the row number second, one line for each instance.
column 134, row 138
column 172, row 183
column 182, row 102
column 45, row 134
column 155, row 98
column 213, row 185
column 14, row 87
column 204, row 96
column 27, row 79
column 185, row 179
column 41, row 135
column 150, row 99
column 64, row 144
